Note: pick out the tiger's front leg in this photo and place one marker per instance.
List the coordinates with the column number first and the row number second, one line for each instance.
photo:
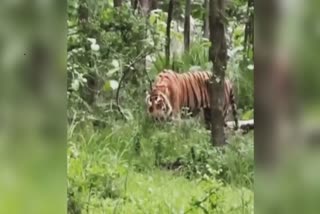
column 176, row 118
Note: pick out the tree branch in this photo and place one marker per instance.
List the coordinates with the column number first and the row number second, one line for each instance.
column 139, row 56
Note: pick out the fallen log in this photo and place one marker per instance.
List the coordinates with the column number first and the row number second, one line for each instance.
column 244, row 125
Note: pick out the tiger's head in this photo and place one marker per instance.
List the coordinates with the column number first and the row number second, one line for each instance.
column 158, row 105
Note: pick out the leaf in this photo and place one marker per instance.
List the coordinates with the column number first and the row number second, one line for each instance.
column 92, row 40
column 115, row 63
column 112, row 71
column 75, row 85
column 195, row 68
column 250, row 67
column 127, row 113
column 248, row 115
column 156, row 11
column 153, row 18
column 111, row 85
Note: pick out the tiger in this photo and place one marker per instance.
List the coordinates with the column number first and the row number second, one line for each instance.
column 173, row 91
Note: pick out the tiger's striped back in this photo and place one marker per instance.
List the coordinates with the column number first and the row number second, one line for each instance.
column 195, row 89
column 191, row 90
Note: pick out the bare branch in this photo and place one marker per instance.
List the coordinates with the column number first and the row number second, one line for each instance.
column 138, row 57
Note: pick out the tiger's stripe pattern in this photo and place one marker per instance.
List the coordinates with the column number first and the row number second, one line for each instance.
column 172, row 91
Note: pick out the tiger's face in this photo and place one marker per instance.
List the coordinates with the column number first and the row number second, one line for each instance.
column 158, row 106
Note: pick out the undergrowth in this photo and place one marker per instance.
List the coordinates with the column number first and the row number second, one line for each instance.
column 142, row 167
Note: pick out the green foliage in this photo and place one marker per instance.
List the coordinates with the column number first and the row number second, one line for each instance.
column 109, row 170
column 248, row 115
column 196, row 58
column 112, row 42
column 240, row 65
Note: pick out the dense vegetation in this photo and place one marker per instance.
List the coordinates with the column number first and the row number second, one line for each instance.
column 119, row 161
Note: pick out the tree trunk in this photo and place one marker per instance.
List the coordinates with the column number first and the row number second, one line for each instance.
column 206, row 19
column 249, row 27
column 141, row 65
column 154, row 4
column 264, row 103
column 134, row 4
column 117, row 3
column 145, row 6
column 187, row 26
column 218, row 56
column 168, row 31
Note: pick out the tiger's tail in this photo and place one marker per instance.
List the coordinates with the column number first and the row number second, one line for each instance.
column 234, row 108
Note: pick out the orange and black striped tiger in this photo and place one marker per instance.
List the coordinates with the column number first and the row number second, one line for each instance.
column 172, row 91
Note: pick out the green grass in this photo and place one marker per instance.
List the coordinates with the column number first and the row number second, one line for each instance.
column 125, row 168
column 162, row 192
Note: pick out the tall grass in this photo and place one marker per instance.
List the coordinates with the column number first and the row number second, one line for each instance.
column 140, row 165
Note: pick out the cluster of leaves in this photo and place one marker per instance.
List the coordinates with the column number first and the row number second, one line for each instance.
column 104, row 43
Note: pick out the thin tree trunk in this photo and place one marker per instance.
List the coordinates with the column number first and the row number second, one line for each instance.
column 117, row 3
column 218, row 56
column 206, row 19
column 145, row 8
column 249, row 27
column 154, row 4
column 134, row 4
column 168, row 31
column 187, row 26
